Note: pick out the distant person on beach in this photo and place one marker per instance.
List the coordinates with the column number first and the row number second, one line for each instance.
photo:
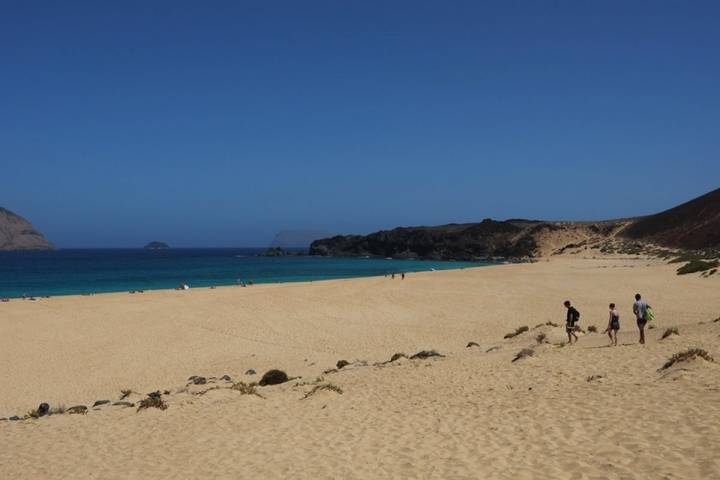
column 393, row 276
column 402, row 276
column 613, row 324
column 640, row 309
column 572, row 318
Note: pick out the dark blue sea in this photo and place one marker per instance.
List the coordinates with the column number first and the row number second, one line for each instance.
column 79, row 271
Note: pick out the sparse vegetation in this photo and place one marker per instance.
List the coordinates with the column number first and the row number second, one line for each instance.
column 58, row 410
column 578, row 328
column 325, row 386
column 517, row 332
column 152, row 401
column 592, row 329
column 541, row 338
column 246, row 388
column 670, row 331
column 551, row 324
column 689, row 354
column 525, row 352
column 125, row 393
column 695, row 266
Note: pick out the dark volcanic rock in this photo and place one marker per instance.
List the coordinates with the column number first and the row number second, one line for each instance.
column 426, row 354
column 274, row 252
column 397, row 356
column 199, row 381
column 100, row 402
column 273, row 377
column 43, row 409
column 250, row 372
column 226, row 378
column 488, row 238
column 341, row 363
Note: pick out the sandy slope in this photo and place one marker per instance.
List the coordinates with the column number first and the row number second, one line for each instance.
column 472, row 414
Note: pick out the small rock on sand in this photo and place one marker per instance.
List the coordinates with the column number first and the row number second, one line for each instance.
column 199, row 380
column 250, row 372
column 472, row 344
column 227, row 378
column 273, row 377
column 342, row 363
column 100, row 402
column 397, row 356
column 123, row 404
column 77, row 409
column 43, row 409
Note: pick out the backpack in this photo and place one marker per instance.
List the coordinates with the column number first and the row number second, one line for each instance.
column 649, row 314
column 575, row 315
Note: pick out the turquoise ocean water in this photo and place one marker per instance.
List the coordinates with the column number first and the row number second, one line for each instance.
column 78, row 271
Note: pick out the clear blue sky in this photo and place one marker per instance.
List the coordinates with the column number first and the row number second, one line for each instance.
column 221, row 123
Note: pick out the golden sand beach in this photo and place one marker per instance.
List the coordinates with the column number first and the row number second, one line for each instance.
column 585, row 411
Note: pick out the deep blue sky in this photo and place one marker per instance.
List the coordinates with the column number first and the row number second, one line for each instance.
column 221, row 123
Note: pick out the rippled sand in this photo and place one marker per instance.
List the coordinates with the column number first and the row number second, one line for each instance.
column 470, row 414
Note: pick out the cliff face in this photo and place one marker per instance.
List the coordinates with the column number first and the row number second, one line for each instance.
column 16, row 233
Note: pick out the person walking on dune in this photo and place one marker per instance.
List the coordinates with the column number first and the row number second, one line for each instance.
column 640, row 309
column 572, row 318
column 613, row 325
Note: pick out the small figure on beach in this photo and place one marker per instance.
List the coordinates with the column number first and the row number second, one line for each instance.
column 613, row 324
column 640, row 309
column 402, row 276
column 572, row 318
column 393, row 276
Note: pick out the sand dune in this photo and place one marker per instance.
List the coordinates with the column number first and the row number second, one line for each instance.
column 470, row 414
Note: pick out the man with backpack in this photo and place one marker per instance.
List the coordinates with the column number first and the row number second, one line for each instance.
column 573, row 316
column 643, row 313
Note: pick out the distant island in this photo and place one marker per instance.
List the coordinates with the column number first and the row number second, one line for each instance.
column 155, row 245
column 16, row 233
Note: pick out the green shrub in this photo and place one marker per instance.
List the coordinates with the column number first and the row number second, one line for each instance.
column 695, row 266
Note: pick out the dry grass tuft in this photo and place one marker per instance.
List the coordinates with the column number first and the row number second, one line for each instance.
column 246, row 388
column 153, row 401
column 325, row 386
column 689, row 354
column 517, row 332
column 551, row 324
column 525, row 352
column 125, row 393
column 670, row 331
column 541, row 338
column 592, row 329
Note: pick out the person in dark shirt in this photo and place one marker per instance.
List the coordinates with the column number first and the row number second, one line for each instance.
column 572, row 317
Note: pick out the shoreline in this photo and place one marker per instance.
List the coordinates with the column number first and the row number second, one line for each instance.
column 143, row 288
